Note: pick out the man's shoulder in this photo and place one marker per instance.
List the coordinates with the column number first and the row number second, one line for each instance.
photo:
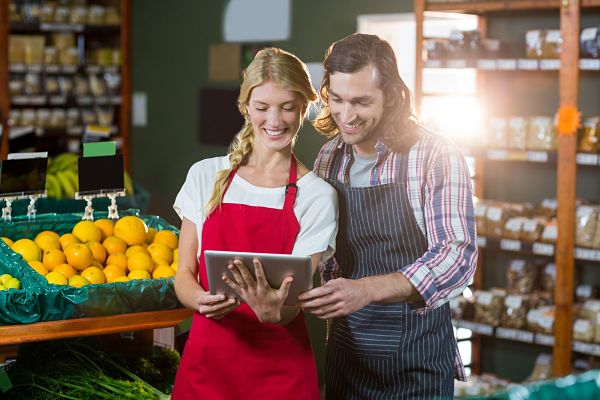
column 433, row 143
column 326, row 156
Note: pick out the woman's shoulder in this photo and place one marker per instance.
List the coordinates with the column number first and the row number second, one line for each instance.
column 315, row 187
column 208, row 167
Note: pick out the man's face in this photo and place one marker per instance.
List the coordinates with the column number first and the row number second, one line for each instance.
column 356, row 104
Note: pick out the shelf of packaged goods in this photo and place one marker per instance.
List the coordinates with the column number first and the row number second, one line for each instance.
column 64, row 101
column 61, row 69
column 36, row 27
column 481, row 7
column 510, row 64
column 523, row 336
column 536, row 248
column 40, row 331
column 538, row 156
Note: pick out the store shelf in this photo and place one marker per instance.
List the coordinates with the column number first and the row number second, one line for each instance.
column 536, row 156
column 62, row 69
column 25, row 333
column 33, row 28
column 511, row 64
column 534, row 249
column 499, row 6
column 64, row 101
column 523, row 336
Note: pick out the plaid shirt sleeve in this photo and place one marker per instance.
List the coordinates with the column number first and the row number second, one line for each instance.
column 446, row 204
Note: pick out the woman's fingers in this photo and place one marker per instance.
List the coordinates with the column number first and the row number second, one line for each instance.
column 244, row 272
column 284, row 289
column 237, row 276
column 261, row 279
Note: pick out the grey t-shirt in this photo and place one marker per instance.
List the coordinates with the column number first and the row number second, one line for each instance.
column 360, row 170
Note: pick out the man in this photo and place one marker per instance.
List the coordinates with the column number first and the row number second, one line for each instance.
column 406, row 241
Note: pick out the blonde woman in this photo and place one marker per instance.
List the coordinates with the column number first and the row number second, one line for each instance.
column 258, row 198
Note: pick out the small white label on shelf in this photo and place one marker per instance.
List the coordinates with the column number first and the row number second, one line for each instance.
column 587, row 254
column 433, row 64
column 53, row 27
column 17, row 68
column 489, row 65
column 543, row 249
column 115, row 100
column 510, row 245
column 477, row 327
column 507, row 64
column 84, row 100
column 515, row 334
column 589, row 64
column 496, row 154
column 537, row 156
column 587, row 159
column 527, row 64
column 19, row 100
column 544, row 340
column 111, row 69
column 93, row 69
column 52, row 68
column 456, row 63
column 37, row 100
column 69, row 69
column 481, row 241
column 75, row 131
column 57, row 100
column 102, row 100
column 34, row 68
column 587, row 348
column 550, row 65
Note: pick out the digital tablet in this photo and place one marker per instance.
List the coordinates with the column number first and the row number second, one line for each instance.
column 276, row 267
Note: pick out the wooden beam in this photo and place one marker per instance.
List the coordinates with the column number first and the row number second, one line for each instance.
column 4, row 77
column 566, row 183
column 480, row 7
column 125, row 113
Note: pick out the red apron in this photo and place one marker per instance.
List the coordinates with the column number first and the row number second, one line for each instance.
column 238, row 357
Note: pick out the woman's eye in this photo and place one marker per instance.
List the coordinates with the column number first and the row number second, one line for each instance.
column 262, row 109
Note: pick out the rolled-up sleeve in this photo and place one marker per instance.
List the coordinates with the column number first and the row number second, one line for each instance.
column 445, row 270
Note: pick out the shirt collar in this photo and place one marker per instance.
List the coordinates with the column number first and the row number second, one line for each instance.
column 381, row 148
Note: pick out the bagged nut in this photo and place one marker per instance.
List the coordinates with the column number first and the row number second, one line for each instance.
column 583, row 330
column 532, row 229
column 489, row 306
column 533, row 43
column 590, row 309
column 551, row 43
column 590, row 135
column 550, row 232
column 547, row 208
column 517, row 307
column 548, row 278
column 517, row 133
column 521, row 277
column 540, row 134
column 497, row 214
column 498, row 133
column 585, row 225
column 584, row 292
column 513, row 227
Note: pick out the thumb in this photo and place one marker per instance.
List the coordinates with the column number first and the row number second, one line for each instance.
column 284, row 289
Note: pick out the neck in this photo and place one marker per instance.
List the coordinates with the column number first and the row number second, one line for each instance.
column 270, row 160
column 365, row 148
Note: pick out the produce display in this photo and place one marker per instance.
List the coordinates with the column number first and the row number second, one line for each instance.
column 101, row 251
column 7, row 281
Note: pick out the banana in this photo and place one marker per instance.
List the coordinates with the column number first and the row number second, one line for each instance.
column 65, row 182
column 53, row 186
column 73, row 177
column 128, row 184
column 64, row 161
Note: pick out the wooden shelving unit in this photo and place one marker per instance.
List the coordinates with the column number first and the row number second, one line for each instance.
column 123, row 106
column 566, row 157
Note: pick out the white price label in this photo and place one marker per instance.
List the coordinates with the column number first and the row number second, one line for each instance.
column 37, row 100
column 101, row 100
column 589, row 64
column 537, row 156
column 57, row 100
column 69, row 69
column 35, row 68
column 583, row 347
column 52, row 68
column 481, row 241
column 587, row 254
column 550, row 64
column 456, row 63
column 17, row 68
column 510, row 245
column 497, row 154
column 507, row 64
column 478, row 328
column 20, row 100
column 543, row 249
column 587, row 159
column 527, row 64
column 93, row 69
column 84, row 100
column 489, row 65
column 494, row 213
column 433, row 64
column 544, row 340
column 589, row 33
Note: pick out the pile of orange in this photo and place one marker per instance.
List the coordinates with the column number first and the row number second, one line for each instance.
column 102, row 251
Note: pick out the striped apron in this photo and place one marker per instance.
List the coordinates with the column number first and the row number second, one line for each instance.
column 385, row 351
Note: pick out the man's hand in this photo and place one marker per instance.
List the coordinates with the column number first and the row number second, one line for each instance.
column 337, row 298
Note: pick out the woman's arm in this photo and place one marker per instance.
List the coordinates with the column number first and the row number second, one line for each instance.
column 188, row 290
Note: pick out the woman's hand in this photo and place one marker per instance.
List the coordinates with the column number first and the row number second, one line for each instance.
column 215, row 306
column 266, row 301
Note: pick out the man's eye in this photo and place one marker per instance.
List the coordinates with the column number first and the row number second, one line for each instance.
column 289, row 108
column 336, row 100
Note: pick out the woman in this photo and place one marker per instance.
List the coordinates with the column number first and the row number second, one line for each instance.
column 256, row 199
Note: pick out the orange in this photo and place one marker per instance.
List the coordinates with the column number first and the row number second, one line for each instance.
column 121, row 279
column 160, row 251
column 106, row 226
column 8, row 242
column 94, row 275
column 38, row 267
column 86, row 231
column 52, row 258
column 49, row 233
column 47, row 240
column 164, row 271
column 27, row 249
column 98, row 251
column 141, row 261
column 131, row 229
column 174, row 265
column 79, row 256
column 150, row 235
column 66, row 270
column 78, row 281
column 68, row 239
column 113, row 245
column 175, row 254
column 139, row 274
column 136, row 249
column 117, row 259
column 97, row 265
column 112, row 272
column 56, row 278
column 167, row 237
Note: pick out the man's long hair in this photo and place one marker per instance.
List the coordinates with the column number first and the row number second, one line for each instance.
column 352, row 53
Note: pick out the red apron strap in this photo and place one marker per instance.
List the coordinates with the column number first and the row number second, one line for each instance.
column 229, row 180
column 291, row 188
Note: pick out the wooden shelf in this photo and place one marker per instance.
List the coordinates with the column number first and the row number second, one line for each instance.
column 40, row 331
column 481, row 7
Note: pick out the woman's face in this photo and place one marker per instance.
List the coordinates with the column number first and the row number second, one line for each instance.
column 275, row 115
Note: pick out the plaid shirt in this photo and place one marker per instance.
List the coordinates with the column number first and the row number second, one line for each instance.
column 440, row 194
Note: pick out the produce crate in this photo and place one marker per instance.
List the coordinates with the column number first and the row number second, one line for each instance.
column 58, row 302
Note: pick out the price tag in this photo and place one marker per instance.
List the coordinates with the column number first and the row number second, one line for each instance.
column 20, row 100
column 35, row 68
column 93, row 69
column 456, row 63
column 488, row 65
column 544, row 340
column 507, row 64
column 481, row 241
column 69, row 69
column 57, row 100
column 433, row 64
column 587, row 159
column 37, row 100
column 84, row 100
column 528, row 64
column 510, row 245
column 101, row 100
column 537, row 156
column 543, row 249
column 550, row 65
column 115, row 100
column 587, row 254
column 589, row 64
column 17, row 68
column 583, row 347
column 52, row 68
column 497, row 154
column 515, row 334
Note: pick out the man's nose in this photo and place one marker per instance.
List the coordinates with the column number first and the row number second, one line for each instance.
column 347, row 114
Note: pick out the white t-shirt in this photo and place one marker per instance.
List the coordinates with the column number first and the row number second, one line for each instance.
column 316, row 206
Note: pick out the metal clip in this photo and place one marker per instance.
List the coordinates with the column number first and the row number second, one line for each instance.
column 88, row 213
column 7, row 210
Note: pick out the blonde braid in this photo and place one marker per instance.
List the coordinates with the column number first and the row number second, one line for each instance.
column 240, row 149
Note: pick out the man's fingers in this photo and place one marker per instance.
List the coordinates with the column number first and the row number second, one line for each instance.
column 315, row 293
